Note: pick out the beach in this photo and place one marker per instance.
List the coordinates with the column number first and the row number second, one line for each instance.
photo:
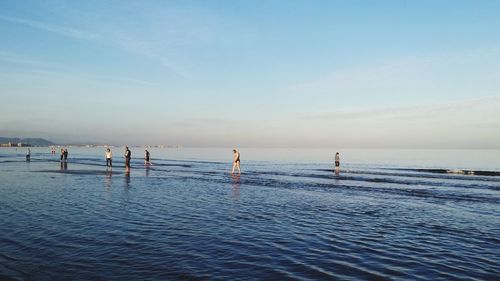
column 186, row 217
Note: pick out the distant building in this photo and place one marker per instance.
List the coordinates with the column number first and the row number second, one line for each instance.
column 19, row 144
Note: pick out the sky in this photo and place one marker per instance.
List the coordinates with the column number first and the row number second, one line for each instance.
column 339, row 74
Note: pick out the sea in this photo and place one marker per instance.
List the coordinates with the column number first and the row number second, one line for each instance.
column 384, row 215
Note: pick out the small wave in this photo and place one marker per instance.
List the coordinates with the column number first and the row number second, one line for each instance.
column 80, row 172
column 456, row 172
column 172, row 165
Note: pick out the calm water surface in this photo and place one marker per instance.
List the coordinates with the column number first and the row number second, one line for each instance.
column 388, row 215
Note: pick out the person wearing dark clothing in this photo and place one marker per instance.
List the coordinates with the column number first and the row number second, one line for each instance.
column 337, row 163
column 147, row 158
column 128, row 155
column 65, row 155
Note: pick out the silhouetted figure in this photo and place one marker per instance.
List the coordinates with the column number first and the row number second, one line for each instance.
column 337, row 163
column 28, row 155
column 65, row 155
column 128, row 156
column 147, row 159
column 62, row 154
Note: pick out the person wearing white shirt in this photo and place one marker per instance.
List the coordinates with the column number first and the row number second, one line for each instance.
column 109, row 156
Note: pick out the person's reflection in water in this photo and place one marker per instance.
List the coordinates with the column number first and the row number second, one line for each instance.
column 147, row 171
column 107, row 179
column 337, row 175
column 127, row 178
column 64, row 166
column 236, row 186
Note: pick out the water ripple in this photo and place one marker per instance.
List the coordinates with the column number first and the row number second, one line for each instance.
column 191, row 220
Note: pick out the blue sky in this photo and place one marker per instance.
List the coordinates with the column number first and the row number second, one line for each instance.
column 412, row 74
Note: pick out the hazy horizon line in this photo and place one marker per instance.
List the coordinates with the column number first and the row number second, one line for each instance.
column 189, row 144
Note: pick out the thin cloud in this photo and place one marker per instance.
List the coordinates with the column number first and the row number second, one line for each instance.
column 399, row 73
column 21, row 60
column 201, row 122
column 57, row 72
column 413, row 75
column 65, row 31
column 402, row 112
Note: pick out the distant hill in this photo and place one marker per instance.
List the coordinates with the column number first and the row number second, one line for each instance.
column 30, row 141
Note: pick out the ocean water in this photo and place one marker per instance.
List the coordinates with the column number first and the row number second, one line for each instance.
column 387, row 215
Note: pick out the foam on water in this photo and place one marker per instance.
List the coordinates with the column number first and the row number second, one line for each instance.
column 190, row 219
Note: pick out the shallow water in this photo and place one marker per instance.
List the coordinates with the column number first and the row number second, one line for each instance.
column 288, row 216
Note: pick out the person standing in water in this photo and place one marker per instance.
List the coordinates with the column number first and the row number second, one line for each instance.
column 147, row 159
column 337, row 162
column 128, row 155
column 236, row 161
column 65, row 155
column 109, row 156
column 62, row 154
column 28, row 155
